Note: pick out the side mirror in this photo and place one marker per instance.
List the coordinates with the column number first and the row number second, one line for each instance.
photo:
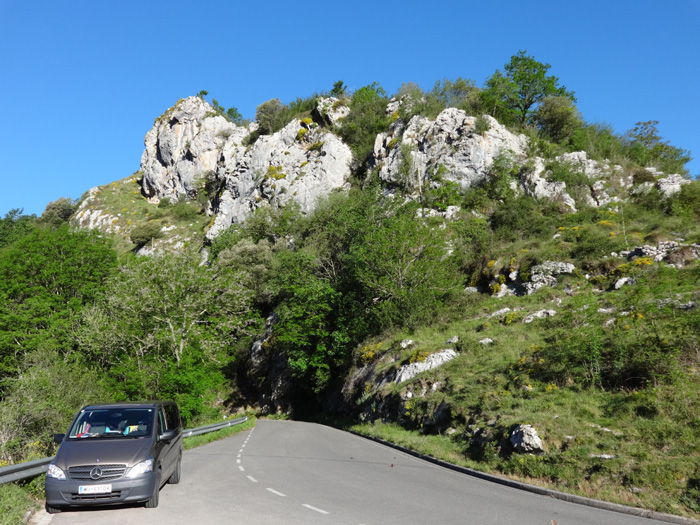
column 167, row 436
column 58, row 438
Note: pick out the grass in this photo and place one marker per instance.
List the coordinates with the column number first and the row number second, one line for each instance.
column 18, row 500
column 15, row 504
column 465, row 411
column 126, row 208
column 203, row 439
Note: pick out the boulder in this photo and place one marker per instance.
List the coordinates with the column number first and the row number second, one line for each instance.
column 540, row 314
column 525, row 440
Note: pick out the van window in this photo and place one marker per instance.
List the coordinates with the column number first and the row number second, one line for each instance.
column 172, row 417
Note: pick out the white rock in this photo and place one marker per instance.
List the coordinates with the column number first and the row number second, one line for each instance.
column 525, row 439
column 409, row 371
column 671, row 184
column 539, row 315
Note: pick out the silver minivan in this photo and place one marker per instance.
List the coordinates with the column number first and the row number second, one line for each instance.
column 117, row 453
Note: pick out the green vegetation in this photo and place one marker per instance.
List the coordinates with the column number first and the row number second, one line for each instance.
column 613, row 372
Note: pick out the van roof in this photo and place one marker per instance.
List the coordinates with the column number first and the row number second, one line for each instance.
column 129, row 404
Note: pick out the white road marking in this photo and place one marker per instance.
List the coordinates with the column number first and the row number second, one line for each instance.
column 314, row 508
column 238, row 456
column 275, row 492
column 251, row 478
column 238, row 461
column 240, row 467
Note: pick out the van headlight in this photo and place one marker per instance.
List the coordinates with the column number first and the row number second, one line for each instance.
column 141, row 468
column 55, row 472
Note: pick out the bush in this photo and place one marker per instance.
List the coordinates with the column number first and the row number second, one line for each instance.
column 367, row 118
column 145, row 232
column 557, row 119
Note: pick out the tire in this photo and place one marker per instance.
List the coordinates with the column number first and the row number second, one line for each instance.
column 175, row 477
column 53, row 510
column 153, row 502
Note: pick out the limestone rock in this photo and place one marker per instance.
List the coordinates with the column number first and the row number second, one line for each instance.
column 332, row 110
column 290, row 165
column 671, row 184
column 540, row 314
column 411, row 370
column 183, row 144
column 526, row 440
column 449, row 145
column 545, row 275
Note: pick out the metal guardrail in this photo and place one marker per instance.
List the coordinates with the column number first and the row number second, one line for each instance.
column 30, row 469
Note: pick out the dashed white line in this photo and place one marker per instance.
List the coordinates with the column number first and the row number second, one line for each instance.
column 238, row 461
column 251, row 478
column 240, row 467
column 275, row 492
column 314, row 508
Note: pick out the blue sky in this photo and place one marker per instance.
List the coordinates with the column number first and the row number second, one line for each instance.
column 83, row 81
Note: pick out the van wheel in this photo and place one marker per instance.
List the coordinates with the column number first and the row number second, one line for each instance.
column 175, row 478
column 153, row 502
column 52, row 510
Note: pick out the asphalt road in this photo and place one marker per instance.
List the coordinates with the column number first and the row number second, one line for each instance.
column 285, row 472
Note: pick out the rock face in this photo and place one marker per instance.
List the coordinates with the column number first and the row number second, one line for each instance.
column 190, row 148
column 184, row 143
column 448, row 148
column 299, row 163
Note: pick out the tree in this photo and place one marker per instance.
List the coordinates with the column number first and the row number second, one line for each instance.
column 58, row 212
column 339, row 89
column 46, row 278
column 557, row 118
column 648, row 148
column 14, row 226
column 366, row 119
column 512, row 96
column 166, row 327
column 266, row 115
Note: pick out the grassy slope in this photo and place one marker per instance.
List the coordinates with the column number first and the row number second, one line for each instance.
column 652, row 432
column 123, row 201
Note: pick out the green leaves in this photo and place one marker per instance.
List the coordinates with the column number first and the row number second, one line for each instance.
column 166, row 326
column 45, row 278
column 510, row 97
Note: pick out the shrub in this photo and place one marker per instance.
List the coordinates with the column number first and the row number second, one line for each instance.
column 144, row 232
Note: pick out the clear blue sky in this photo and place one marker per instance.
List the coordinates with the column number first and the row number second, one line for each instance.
column 82, row 81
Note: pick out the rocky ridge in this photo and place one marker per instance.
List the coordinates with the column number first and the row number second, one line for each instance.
column 193, row 152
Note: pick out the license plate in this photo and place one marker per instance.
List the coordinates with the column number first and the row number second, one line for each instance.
column 94, row 489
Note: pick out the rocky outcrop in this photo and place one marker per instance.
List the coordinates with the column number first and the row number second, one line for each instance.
column 671, row 185
column 545, row 275
column 331, row 110
column 448, row 148
column 411, row 370
column 184, row 143
column 301, row 163
column 191, row 149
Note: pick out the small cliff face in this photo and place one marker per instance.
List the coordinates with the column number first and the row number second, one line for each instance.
column 449, row 146
column 190, row 146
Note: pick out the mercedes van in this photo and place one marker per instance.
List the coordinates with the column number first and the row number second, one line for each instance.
column 117, row 453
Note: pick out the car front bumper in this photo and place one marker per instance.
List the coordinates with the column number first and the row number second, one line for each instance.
column 61, row 493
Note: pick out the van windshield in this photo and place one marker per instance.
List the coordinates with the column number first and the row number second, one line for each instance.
column 113, row 422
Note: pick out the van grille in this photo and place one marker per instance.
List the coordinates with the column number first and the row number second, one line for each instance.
column 74, row 496
column 107, row 472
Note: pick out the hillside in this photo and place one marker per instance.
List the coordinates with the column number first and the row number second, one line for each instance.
column 477, row 273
